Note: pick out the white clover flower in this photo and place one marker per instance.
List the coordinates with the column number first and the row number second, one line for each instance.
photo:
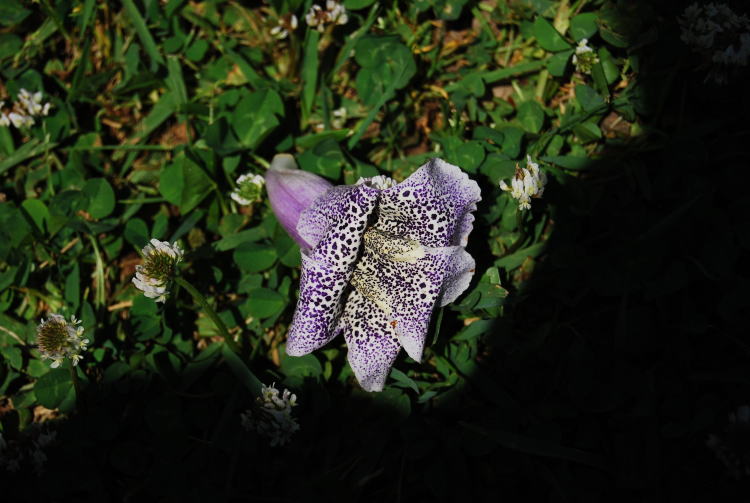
column 380, row 182
column 526, row 183
column 20, row 120
column 160, row 260
column 731, row 447
column 584, row 58
column 33, row 102
column 334, row 13
column 316, row 17
column 23, row 111
column 272, row 415
column 719, row 36
column 339, row 117
column 249, row 187
column 287, row 23
column 58, row 339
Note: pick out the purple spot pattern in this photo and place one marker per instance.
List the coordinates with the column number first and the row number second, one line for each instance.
column 382, row 297
column 334, row 225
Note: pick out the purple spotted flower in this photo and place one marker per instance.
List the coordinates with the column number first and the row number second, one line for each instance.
column 376, row 259
column 291, row 191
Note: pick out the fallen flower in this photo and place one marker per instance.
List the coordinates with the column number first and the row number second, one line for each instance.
column 376, row 259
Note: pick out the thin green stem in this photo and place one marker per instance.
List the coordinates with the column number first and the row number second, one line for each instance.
column 200, row 299
column 76, row 386
column 521, row 234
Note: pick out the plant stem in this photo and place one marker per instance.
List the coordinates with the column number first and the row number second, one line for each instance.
column 521, row 234
column 76, row 387
column 200, row 299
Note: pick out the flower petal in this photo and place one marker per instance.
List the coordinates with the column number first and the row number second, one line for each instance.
column 432, row 206
column 406, row 292
column 372, row 343
column 335, row 224
column 290, row 191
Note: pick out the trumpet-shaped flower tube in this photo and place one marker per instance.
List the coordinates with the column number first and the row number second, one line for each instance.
column 379, row 257
column 290, row 191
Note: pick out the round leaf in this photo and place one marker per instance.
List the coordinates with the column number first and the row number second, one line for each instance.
column 583, row 26
column 253, row 257
column 264, row 302
column 101, row 197
column 548, row 36
column 53, row 388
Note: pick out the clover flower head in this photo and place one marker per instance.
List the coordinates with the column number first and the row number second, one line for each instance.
column 732, row 447
column 340, row 115
column 380, row 182
column 159, row 266
column 27, row 448
column 719, row 36
column 23, row 111
column 32, row 102
column 584, row 58
column 377, row 258
column 249, row 187
column 58, row 339
column 272, row 416
column 334, row 13
column 21, row 121
column 287, row 23
column 527, row 183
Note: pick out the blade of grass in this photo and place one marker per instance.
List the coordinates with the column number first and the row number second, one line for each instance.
column 142, row 30
column 28, row 150
column 309, row 73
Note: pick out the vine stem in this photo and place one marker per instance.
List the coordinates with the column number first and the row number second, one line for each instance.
column 200, row 299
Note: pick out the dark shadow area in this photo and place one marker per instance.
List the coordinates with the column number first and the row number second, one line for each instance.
column 624, row 350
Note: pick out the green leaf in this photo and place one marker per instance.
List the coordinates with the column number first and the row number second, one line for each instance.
column 243, row 374
column 256, row 116
column 512, row 141
column 469, row 156
column 251, row 257
column 558, row 63
column 264, row 302
column 531, row 116
column 38, row 212
column 101, row 197
column 548, row 36
column 9, row 45
column 587, row 132
column 310, row 71
column 588, row 98
column 136, row 232
column 12, row 12
column 357, row 4
column 568, row 162
column 583, row 26
column 134, row 16
column 404, row 380
column 300, row 366
column 54, row 387
column 184, row 183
